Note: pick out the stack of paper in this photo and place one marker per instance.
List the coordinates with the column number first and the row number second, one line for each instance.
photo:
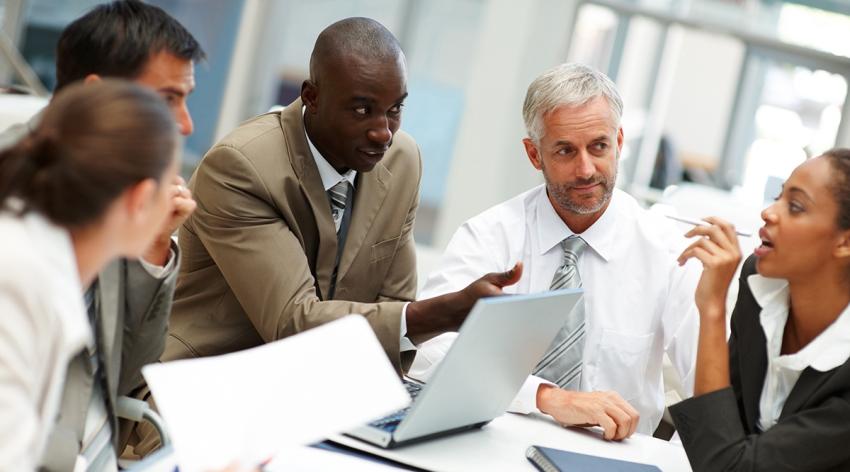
column 245, row 407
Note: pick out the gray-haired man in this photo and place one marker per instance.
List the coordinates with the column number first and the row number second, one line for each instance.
column 577, row 230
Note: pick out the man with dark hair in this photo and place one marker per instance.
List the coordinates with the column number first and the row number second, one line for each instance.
column 306, row 215
column 134, row 41
column 129, row 302
column 117, row 40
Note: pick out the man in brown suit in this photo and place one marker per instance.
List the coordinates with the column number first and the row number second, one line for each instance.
column 260, row 252
column 261, row 257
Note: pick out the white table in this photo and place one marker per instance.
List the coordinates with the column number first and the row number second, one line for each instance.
column 296, row 458
column 501, row 445
column 498, row 446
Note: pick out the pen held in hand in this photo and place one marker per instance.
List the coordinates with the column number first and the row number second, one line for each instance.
column 702, row 223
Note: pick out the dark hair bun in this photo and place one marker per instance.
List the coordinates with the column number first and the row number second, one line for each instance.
column 92, row 143
column 44, row 149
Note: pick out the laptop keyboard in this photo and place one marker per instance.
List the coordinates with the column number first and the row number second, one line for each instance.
column 390, row 422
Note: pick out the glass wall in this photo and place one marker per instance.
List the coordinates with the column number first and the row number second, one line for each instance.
column 214, row 23
column 735, row 93
column 438, row 38
column 726, row 93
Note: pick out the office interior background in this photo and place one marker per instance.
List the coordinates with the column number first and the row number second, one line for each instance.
column 722, row 97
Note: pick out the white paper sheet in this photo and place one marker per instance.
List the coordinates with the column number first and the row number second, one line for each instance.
column 244, row 407
column 310, row 459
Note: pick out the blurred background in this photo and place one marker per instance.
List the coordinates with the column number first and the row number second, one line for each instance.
column 722, row 97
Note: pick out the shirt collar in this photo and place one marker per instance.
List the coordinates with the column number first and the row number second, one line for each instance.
column 329, row 175
column 552, row 229
column 828, row 350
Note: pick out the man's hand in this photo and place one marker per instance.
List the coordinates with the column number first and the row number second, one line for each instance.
column 489, row 285
column 605, row 409
column 447, row 312
column 182, row 207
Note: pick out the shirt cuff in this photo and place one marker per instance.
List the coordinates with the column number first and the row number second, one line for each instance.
column 404, row 342
column 525, row 401
column 156, row 271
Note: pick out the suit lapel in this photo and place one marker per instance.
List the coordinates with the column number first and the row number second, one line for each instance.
column 809, row 382
column 110, row 283
column 752, row 357
column 304, row 166
column 369, row 196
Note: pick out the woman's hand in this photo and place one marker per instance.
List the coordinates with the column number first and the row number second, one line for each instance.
column 718, row 250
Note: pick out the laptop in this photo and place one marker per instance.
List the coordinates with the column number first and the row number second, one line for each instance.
column 498, row 345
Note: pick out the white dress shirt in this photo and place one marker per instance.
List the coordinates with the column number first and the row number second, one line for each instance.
column 638, row 302
column 160, row 272
column 44, row 325
column 331, row 177
column 828, row 350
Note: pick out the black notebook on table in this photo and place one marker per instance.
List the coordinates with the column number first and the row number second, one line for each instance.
column 548, row 459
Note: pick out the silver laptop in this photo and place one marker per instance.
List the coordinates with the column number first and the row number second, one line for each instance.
column 498, row 345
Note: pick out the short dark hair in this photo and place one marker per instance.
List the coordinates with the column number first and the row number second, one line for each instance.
column 117, row 39
column 357, row 36
column 840, row 160
column 93, row 142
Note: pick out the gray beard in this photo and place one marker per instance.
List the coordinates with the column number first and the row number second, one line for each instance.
column 560, row 193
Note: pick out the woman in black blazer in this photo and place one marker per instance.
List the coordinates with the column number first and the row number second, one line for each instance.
column 777, row 398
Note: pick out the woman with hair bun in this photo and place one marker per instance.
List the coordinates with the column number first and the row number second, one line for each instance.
column 86, row 186
column 777, row 396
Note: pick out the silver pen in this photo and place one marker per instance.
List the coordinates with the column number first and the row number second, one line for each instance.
column 702, row 223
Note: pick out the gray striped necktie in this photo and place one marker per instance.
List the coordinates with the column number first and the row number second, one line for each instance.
column 562, row 362
column 338, row 195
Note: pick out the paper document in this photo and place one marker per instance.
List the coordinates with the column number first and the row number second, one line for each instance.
column 246, row 406
column 311, row 459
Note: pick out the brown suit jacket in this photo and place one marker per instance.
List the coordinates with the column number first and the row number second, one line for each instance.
column 259, row 251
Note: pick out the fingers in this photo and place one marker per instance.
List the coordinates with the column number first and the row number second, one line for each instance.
column 718, row 230
column 713, row 232
column 710, row 254
column 181, row 199
column 732, row 247
column 181, row 212
column 635, row 416
column 512, row 276
column 609, row 427
column 615, row 416
column 503, row 279
column 727, row 228
column 178, row 186
column 717, row 244
column 624, row 423
column 704, row 250
column 179, row 190
column 616, row 424
column 622, row 414
column 183, row 203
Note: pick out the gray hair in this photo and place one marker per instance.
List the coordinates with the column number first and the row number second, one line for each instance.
column 566, row 85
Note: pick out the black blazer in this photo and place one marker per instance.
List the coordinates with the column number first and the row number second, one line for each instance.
column 719, row 431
